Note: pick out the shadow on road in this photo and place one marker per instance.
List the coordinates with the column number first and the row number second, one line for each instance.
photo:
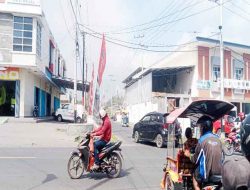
column 94, row 176
column 49, row 178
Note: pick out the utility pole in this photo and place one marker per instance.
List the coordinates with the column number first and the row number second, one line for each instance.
column 221, row 53
column 221, row 65
column 75, row 77
column 83, row 80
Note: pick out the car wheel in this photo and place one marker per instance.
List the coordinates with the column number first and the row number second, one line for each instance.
column 218, row 132
column 136, row 137
column 159, row 141
column 59, row 118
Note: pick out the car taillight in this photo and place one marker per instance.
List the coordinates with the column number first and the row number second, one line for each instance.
column 165, row 126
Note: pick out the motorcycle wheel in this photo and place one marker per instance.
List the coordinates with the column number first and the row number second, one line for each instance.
column 75, row 167
column 228, row 148
column 115, row 161
column 35, row 114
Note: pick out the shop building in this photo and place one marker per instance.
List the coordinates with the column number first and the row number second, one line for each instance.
column 29, row 60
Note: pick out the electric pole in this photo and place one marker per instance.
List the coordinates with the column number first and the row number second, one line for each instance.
column 221, row 54
column 83, row 80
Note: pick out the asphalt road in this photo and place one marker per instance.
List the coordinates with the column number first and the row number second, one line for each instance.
column 46, row 168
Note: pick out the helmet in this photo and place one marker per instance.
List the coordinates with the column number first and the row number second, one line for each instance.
column 245, row 136
column 206, row 124
column 102, row 113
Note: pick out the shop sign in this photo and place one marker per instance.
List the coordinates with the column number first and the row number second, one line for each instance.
column 203, row 84
column 9, row 74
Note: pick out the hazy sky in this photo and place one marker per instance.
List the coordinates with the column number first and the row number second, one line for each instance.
column 178, row 21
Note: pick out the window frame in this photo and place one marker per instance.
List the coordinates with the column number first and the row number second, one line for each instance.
column 22, row 34
column 39, row 39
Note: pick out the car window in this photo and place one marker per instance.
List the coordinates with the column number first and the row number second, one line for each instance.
column 146, row 118
column 153, row 118
column 160, row 119
column 65, row 106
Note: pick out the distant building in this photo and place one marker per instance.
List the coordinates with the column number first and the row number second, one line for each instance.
column 29, row 58
column 190, row 73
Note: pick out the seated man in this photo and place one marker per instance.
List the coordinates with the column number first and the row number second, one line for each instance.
column 191, row 142
column 208, row 154
column 105, row 133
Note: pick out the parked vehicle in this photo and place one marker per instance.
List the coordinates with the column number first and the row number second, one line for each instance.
column 82, row 159
column 228, row 123
column 232, row 142
column 35, row 111
column 66, row 112
column 178, row 169
column 152, row 127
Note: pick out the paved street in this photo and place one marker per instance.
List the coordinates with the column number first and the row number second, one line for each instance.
column 41, row 167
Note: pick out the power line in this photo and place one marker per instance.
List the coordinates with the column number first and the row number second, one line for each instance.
column 139, row 44
column 138, row 48
column 152, row 21
column 230, row 10
column 183, row 18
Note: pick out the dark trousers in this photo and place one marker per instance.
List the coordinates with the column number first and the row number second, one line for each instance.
column 98, row 145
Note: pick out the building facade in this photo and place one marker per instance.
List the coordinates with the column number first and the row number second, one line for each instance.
column 190, row 73
column 29, row 57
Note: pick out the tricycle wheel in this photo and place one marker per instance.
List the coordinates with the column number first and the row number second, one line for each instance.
column 169, row 183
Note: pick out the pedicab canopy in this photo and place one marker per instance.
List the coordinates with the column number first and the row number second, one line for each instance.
column 214, row 109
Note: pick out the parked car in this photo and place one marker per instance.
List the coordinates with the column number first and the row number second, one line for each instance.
column 66, row 112
column 228, row 123
column 152, row 127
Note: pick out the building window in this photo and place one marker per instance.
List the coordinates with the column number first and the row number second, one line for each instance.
column 39, row 40
column 22, row 34
column 215, row 61
column 216, row 73
column 238, row 69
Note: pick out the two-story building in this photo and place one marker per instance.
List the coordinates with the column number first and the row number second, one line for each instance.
column 29, row 57
column 190, row 73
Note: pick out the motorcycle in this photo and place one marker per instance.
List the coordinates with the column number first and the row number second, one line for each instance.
column 82, row 160
column 232, row 142
column 35, row 111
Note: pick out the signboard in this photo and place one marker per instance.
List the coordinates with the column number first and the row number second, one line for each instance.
column 9, row 74
column 25, row 2
column 203, row 84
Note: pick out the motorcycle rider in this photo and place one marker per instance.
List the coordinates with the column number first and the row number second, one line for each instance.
column 208, row 154
column 240, row 164
column 104, row 131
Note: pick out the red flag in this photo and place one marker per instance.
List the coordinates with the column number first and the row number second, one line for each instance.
column 102, row 61
column 91, row 91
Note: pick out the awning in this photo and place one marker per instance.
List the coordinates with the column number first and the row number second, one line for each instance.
column 69, row 83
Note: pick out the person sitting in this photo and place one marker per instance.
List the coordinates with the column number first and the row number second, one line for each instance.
column 104, row 132
column 208, row 154
column 191, row 142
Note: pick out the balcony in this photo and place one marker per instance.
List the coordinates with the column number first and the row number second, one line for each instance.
column 237, row 84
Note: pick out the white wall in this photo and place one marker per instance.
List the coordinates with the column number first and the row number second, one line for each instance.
column 140, row 91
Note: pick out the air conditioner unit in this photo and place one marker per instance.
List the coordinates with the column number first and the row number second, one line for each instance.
column 239, row 91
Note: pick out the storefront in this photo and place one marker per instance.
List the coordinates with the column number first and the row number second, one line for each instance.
column 9, row 92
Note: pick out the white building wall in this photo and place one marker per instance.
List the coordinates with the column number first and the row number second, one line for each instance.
column 140, row 91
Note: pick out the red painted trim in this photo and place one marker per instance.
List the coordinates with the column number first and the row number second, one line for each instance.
column 227, row 56
column 203, row 52
column 246, row 58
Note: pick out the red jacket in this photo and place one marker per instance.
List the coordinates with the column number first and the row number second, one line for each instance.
column 105, row 130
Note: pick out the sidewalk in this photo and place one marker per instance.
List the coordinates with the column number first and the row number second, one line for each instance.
column 48, row 134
